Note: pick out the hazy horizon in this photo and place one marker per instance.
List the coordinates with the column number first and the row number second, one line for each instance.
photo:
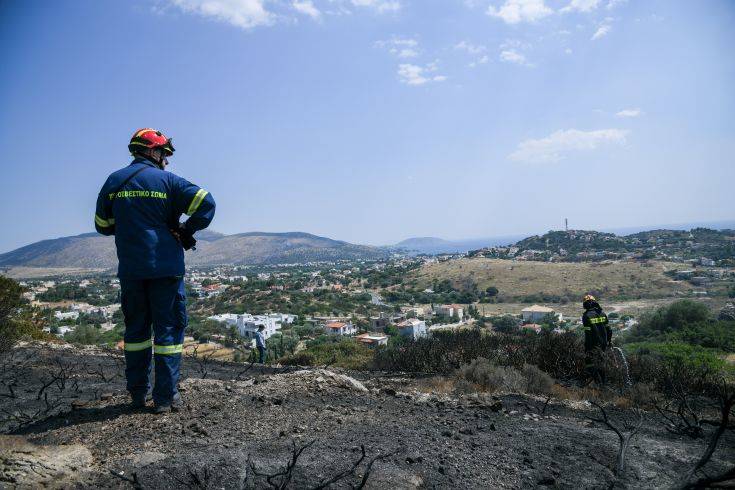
column 492, row 240
column 373, row 121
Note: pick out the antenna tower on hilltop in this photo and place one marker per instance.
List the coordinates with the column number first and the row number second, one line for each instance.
column 566, row 224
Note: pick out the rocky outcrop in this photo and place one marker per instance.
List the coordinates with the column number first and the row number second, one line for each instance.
column 27, row 465
column 727, row 312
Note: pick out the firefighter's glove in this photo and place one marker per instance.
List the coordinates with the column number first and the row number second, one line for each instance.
column 185, row 237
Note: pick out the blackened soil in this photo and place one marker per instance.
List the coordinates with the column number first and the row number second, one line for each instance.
column 240, row 423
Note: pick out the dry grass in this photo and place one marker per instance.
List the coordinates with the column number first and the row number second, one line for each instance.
column 574, row 309
column 212, row 351
column 515, row 280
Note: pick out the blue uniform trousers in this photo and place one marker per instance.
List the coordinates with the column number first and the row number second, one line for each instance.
column 158, row 305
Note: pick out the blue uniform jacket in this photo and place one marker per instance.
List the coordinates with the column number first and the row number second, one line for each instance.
column 141, row 214
column 259, row 339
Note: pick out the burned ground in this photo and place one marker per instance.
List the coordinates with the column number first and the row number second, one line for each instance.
column 241, row 422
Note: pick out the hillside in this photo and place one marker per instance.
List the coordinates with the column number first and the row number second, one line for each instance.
column 576, row 245
column 517, row 280
column 91, row 250
column 241, row 423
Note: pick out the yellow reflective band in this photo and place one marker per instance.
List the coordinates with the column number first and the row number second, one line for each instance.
column 168, row 349
column 599, row 319
column 136, row 346
column 198, row 198
column 144, row 130
column 104, row 223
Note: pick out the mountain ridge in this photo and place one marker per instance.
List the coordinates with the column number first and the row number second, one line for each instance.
column 90, row 250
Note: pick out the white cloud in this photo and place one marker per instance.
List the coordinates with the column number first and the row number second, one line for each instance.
column 615, row 3
column 512, row 51
column 244, row 14
column 568, row 51
column 513, row 56
column 477, row 50
column 400, row 47
column 602, row 30
column 419, row 75
column 630, row 113
column 515, row 11
column 407, row 53
column 479, row 61
column 307, row 7
column 470, row 48
column 556, row 146
column 581, row 6
column 380, row 6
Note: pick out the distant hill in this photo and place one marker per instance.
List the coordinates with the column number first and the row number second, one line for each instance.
column 697, row 243
column 91, row 250
column 434, row 245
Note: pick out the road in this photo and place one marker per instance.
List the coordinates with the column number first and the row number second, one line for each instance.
column 376, row 299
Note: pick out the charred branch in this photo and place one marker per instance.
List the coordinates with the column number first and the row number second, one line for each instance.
column 625, row 434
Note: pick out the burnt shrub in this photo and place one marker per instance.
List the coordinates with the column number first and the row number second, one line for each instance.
column 302, row 358
column 644, row 395
column 537, row 381
column 561, row 356
column 441, row 353
column 492, row 377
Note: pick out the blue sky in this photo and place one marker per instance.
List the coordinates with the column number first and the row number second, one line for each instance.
column 375, row 120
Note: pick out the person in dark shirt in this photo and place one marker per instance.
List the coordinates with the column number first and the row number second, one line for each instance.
column 260, row 343
column 597, row 337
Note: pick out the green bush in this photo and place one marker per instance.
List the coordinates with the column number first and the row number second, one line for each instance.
column 505, row 323
column 85, row 335
column 673, row 355
column 709, row 334
column 345, row 353
column 668, row 319
column 16, row 319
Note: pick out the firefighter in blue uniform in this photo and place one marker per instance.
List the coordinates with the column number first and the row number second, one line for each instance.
column 141, row 205
column 597, row 337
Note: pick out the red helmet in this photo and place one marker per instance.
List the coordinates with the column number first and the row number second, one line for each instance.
column 151, row 138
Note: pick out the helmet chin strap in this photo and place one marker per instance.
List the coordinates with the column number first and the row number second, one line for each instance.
column 157, row 156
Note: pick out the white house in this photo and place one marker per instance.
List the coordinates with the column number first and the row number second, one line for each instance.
column 229, row 318
column 283, row 318
column 66, row 315
column 247, row 325
column 449, row 310
column 412, row 328
column 416, row 310
column 340, row 328
column 536, row 313
column 372, row 339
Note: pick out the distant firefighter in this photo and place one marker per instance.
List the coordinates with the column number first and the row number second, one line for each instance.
column 141, row 205
column 260, row 344
column 597, row 336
